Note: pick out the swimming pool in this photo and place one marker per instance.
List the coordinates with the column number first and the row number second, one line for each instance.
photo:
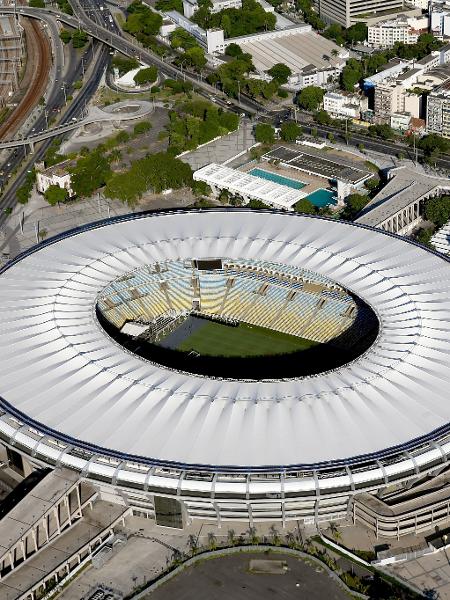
column 321, row 198
column 293, row 183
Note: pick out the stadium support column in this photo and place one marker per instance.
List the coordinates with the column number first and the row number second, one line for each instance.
column 317, row 502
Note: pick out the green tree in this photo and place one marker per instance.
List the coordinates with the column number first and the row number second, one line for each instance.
column 142, row 127
column 257, row 204
column 79, row 38
column 280, row 72
column 65, row 35
column 310, row 97
column 356, row 33
column 55, row 194
column 351, row 74
column 90, row 173
column 322, row 117
column 383, row 130
column 433, row 144
column 196, row 57
column 37, row 3
column 437, row 210
column 290, row 131
column 233, row 50
column 166, row 5
column 124, row 64
column 147, row 75
column 354, row 204
column 264, row 133
column 305, row 206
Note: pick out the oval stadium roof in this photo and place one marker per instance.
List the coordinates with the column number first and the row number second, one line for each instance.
column 61, row 370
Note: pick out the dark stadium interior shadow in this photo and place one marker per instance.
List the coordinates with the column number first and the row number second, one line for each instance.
column 311, row 361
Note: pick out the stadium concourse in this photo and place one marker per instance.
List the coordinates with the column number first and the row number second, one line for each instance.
column 177, row 444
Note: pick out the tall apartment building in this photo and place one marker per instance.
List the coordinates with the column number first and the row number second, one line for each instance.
column 345, row 11
column 439, row 15
column 402, row 29
column 438, row 111
column 392, row 97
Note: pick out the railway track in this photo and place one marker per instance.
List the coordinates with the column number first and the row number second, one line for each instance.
column 38, row 51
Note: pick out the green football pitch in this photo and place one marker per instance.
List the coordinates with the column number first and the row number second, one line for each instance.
column 216, row 339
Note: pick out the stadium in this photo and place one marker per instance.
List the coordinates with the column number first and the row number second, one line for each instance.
column 234, row 365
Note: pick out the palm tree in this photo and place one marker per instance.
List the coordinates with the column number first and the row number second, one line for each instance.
column 275, row 535
column 231, row 536
column 192, row 543
column 334, row 530
column 254, row 539
column 212, row 541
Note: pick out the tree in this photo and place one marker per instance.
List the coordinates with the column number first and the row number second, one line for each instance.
column 351, row 74
column 356, row 33
column 290, row 131
column 280, row 72
column 264, row 133
column 305, row 206
column 433, row 144
column 383, row 130
column 142, row 127
column 233, row 50
column 65, row 35
column 354, row 204
column 331, row 137
column 79, row 38
column 257, row 204
column 55, row 194
column 90, row 173
column 166, row 5
column 147, row 75
column 322, row 117
column 310, row 97
column 124, row 64
column 37, row 3
column 437, row 210
column 196, row 57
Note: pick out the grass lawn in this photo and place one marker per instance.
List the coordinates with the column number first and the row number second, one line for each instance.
column 216, row 339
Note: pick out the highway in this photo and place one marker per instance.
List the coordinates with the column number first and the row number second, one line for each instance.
column 75, row 110
column 115, row 40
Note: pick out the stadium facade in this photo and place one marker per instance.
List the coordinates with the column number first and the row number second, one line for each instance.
column 179, row 446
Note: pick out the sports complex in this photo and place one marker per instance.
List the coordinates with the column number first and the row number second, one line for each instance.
column 234, row 365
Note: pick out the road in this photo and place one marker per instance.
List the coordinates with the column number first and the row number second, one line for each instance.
column 110, row 36
column 74, row 110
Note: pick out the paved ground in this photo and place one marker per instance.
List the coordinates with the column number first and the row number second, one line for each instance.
column 432, row 572
column 41, row 221
column 148, row 551
column 222, row 150
column 229, row 578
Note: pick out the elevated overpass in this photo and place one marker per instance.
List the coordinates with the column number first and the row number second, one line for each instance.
column 131, row 49
column 94, row 116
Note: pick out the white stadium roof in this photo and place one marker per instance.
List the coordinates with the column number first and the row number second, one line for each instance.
column 64, row 375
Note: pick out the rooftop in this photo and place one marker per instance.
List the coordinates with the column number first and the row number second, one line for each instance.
column 441, row 239
column 274, row 194
column 59, row 169
column 400, row 191
column 312, row 161
column 297, row 49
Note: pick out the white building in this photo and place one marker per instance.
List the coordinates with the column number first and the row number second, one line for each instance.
column 56, row 175
column 400, row 121
column 342, row 105
column 248, row 187
column 403, row 29
column 439, row 19
column 191, row 6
